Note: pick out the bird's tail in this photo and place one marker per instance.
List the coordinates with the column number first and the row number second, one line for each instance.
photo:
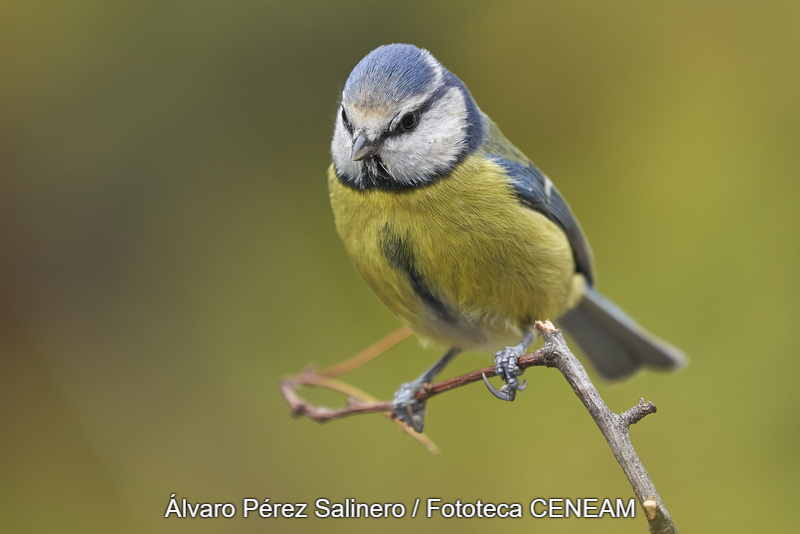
column 614, row 343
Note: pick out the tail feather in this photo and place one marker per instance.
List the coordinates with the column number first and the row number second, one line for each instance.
column 613, row 342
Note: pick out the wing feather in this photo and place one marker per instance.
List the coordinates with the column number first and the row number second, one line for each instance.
column 537, row 191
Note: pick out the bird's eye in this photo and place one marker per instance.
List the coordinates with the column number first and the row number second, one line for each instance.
column 409, row 121
column 344, row 117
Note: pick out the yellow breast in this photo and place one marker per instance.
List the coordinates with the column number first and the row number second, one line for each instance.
column 461, row 261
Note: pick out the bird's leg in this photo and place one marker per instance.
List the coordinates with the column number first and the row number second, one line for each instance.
column 406, row 407
column 505, row 364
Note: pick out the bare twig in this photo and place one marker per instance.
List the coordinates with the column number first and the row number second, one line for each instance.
column 554, row 353
column 355, row 405
column 613, row 426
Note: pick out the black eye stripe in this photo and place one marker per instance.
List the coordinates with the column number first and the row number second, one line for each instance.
column 420, row 112
column 346, row 122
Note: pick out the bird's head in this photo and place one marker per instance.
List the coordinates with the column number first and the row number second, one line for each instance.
column 404, row 120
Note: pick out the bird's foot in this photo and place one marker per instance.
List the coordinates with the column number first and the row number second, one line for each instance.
column 407, row 408
column 505, row 365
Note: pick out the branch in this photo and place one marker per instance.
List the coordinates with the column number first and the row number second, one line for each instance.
column 554, row 353
column 613, row 426
column 355, row 406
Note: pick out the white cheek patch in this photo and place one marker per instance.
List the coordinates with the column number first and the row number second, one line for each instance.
column 341, row 147
column 433, row 145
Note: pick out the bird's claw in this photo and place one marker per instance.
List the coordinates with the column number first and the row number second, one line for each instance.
column 407, row 408
column 505, row 365
column 499, row 394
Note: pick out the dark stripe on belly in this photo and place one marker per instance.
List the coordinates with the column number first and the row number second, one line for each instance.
column 400, row 254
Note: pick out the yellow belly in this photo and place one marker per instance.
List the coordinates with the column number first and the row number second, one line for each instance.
column 475, row 266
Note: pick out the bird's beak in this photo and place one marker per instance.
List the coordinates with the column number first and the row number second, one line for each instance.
column 363, row 147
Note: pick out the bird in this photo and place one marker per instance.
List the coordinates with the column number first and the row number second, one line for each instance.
column 459, row 234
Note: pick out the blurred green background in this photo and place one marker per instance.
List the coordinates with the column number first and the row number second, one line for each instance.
column 167, row 253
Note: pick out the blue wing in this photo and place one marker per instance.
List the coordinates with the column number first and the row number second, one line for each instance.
column 537, row 192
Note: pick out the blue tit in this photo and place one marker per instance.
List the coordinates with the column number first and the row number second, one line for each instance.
column 458, row 233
